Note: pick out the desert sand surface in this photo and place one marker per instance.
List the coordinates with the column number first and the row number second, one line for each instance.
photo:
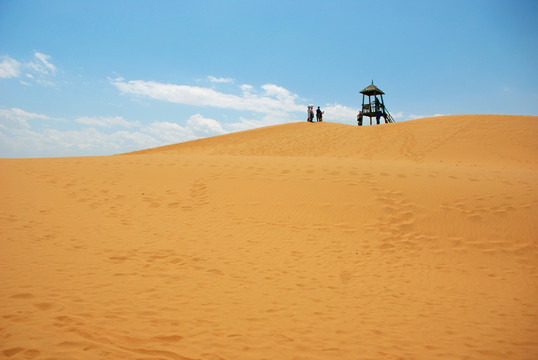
column 414, row 240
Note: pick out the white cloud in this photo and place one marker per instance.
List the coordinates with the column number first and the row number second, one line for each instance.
column 275, row 98
column 20, row 135
column 18, row 119
column 41, row 65
column 274, row 118
column 204, row 127
column 214, row 79
column 37, row 70
column 398, row 115
column 167, row 132
column 413, row 116
column 118, row 78
column 104, row 121
column 9, row 68
column 278, row 92
column 340, row 113
column 86, row 141
column 246, row 88
column 275, row 104
column 196, row 127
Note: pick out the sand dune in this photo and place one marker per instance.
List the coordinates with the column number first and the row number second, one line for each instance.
column 414, row 240
column 471, row 139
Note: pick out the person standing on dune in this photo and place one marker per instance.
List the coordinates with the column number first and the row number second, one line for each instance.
column 359, row 118
column 319, row 115
column 310, row 113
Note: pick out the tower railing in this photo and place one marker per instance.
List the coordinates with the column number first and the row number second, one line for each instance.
column 368, row 110
column 387, row 115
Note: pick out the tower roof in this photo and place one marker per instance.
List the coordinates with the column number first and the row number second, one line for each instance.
column 372, row 90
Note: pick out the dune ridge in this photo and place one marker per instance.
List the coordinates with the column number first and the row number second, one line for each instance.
column 414, row 240
column 492, row 138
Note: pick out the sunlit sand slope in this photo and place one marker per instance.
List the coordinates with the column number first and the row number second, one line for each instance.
column 415, row 240
column 469, row 138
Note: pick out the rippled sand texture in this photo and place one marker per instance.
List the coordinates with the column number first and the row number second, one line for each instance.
column 414, row 240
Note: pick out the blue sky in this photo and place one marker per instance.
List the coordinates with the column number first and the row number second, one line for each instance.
column 106, row 77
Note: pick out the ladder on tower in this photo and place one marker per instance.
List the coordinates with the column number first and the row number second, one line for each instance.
column 388, row 117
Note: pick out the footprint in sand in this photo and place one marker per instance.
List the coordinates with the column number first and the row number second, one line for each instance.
column 345, row 276
column 44, row 306
column 12, row 351
column 22, row 296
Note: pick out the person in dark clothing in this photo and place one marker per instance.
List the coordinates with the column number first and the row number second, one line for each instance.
column 319, row 115
column 378, row 116
column 359, row 118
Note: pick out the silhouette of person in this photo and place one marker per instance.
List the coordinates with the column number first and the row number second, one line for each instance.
column 359, row 118
column 319, row 114
column 310, row 113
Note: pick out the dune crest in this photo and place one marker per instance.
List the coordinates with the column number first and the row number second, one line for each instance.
column 415, row 240
column 481, row 138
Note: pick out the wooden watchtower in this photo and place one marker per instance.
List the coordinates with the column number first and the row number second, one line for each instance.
column 372, row 107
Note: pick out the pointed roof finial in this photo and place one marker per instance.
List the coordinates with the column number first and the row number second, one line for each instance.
column 372, row 90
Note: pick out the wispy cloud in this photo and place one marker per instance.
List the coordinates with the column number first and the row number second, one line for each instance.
column 246, row 123
column 414, row 116
column 22, row 135
column 167, row 132
column 16, row 118
column 9, row 68
column 398, row 115
column 214, row 79
column 246, row 88
column 273, row 97
column 196, row 127
column 203, row 127
column 38, row 69
column 80, row 142
column 340, row 113
column 40, row 64
column 103, row 121
column 274, row 104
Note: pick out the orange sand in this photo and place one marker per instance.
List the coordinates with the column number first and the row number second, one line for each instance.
column 415, row 240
